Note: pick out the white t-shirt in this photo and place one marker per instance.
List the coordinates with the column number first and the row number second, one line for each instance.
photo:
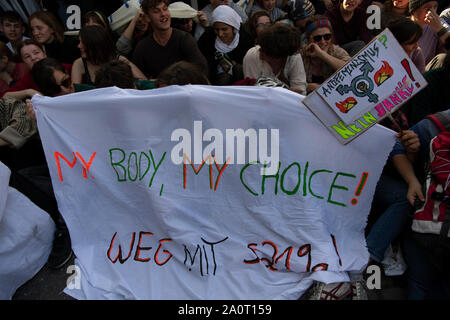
column 294, row 71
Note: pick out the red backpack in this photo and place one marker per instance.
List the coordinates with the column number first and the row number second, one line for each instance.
column 434, row 216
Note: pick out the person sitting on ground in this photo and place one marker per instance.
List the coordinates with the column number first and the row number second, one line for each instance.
column 31, row 52
column 96, row 47
column 349, row 22
column 181, row 73
column 321, row 57
column 224, row 46
column 14, row 29
column 186, row 18
column 165, row 45
column 302, row 12
column 408, row 33
column 10, row 71
column 137, row 29
column 277, row 56
column 270, row 6
column 423, row 12
column 49, row 32
column 257, row 22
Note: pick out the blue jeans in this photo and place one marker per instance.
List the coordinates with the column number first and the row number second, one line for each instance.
column 391, row 194
column 425, row 281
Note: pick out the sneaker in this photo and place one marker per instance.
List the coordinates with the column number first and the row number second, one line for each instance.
column 332, row 291
column 359, row 291
column 61, row 250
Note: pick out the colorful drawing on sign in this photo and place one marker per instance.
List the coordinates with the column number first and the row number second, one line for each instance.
column 368, row 78
column 346, row 105
column 378, row 81
column 384, row 73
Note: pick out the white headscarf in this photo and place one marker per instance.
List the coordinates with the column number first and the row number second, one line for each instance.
column 227, row 15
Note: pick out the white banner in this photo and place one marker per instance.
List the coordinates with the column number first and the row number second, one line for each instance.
column 175, row 193
column 26, row 234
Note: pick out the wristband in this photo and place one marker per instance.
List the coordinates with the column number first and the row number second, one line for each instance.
column 442, row 32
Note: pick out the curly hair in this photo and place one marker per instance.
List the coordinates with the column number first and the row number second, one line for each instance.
column 280, row 40
column 250, row 24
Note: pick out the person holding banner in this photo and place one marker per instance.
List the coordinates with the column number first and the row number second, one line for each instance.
column 320, row 56
column 276, row 56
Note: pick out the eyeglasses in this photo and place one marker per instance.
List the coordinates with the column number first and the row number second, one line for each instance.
column 319, row 37
column 263, row 25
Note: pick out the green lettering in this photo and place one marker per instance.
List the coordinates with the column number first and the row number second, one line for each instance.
column 298, row 183
column 114, row 164
column 242, row 179
column 334, row 186
column 309, row 182
column 343, row 131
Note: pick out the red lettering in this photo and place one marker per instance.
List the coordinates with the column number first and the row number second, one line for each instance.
column 86, row 165
column 71, row 164
column 139, row 248
column 165, row 251
column 119, row 254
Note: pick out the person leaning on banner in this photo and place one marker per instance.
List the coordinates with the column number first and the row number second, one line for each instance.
column 277, row 56
column 31, row 52
column 224, row 46
column 52, row 79
column 165, row 45
column 321, row 57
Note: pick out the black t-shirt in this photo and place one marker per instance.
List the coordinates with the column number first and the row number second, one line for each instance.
column 151, row 58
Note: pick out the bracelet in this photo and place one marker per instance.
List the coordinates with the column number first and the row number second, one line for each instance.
column 442, row 32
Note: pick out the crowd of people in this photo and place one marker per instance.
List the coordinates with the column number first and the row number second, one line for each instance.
column 294, row 44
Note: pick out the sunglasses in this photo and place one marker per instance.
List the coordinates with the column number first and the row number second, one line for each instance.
column 319, row 37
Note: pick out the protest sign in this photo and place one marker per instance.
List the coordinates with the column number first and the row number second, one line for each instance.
column 375, row 83
column 26, row 234
column 167, row 193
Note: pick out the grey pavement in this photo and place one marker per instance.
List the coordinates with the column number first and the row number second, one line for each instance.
column 48, row 284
